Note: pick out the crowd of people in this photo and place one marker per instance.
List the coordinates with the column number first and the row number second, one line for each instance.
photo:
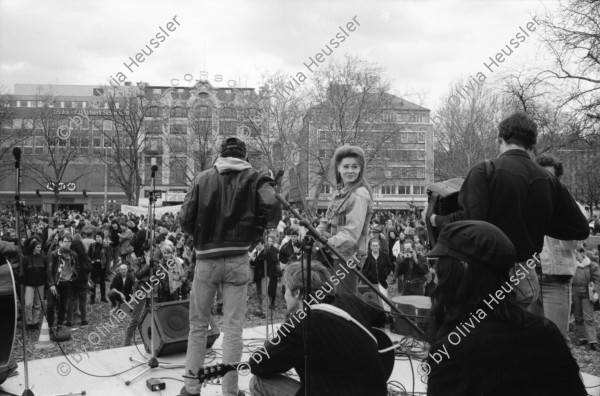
column 73, row 260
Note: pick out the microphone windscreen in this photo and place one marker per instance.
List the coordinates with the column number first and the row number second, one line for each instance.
column 16, row 151
column 154, row 168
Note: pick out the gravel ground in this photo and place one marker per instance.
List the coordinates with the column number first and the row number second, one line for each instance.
column 111, row 336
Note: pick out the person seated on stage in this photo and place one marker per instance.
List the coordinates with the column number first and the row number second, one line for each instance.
column 482, row 342
column 345, row 357
column 120, row 288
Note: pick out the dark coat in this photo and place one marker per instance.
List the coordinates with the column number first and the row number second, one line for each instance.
column 497, row 358
column 127, row 288
column 377, row 270
column 522, row 199
column 259, row 264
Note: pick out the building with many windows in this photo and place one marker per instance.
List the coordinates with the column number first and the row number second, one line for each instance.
column 67, row 132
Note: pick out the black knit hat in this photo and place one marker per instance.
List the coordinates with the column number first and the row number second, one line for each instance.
column 233, row 146
column 475, row 241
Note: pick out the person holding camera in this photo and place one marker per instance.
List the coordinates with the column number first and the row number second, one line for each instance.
column 411, row 272
column 586, row 272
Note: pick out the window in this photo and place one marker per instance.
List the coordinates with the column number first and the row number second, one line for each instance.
column 107, row 125
column 388, row 190
column 27, row 124
column 28, row 145
column 419, row 190
column 421, row 137
column 17, row 123
column 326, row 189
column 227, row 127
column 98, row 92
column 204, row 112
column 154, row 145
column 74, row 105
column 153, row 112
column 388, row 117
column 404, row 190
column 202, row 126
column 97, row 140
column 39, row 142
column 322, row 136
column 177, row 144
column 420, row 172
column 148, row 169
column 416, row 118
column 157, row 91
column 178, row 112
column 29, row 103
column 177, row 171
column 178, row 127
column 62, row 105
column 420, row 154
column 153, row 127
column 18, row 103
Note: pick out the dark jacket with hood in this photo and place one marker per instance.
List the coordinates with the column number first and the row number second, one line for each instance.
column 227, row 207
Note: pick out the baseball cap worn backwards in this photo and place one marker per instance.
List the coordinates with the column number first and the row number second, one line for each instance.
column 475, row 241
column 233, row 144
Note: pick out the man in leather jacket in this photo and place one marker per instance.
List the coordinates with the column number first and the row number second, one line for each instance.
column 226, row 208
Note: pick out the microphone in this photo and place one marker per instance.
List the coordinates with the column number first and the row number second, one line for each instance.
column 153, row 169
column 278, row 178
column 17, row 153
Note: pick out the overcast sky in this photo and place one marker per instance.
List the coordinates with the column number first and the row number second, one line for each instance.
column 423, row 45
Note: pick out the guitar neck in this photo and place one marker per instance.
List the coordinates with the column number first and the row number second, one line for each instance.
column 209, row 373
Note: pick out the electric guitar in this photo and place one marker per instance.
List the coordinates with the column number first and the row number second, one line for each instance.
column 384, row 344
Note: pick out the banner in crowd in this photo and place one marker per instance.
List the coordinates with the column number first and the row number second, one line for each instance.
column 141, row 210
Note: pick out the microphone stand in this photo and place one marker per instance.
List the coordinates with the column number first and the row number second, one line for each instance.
column 321, row 239
column 153, row 361
column 18, row 203
column 307, row 245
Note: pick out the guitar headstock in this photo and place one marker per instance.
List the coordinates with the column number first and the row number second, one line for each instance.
column 208, row 373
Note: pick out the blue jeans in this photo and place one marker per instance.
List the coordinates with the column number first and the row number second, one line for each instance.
column 556, row 296
column 278, row 385
column 233, row 274
column 583, row 310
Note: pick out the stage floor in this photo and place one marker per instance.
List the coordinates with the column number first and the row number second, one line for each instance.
column 55, row 376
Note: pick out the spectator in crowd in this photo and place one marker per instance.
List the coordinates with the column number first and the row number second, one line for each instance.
column 63, row 269
column 120, row 288
column 377, row 267
column 125, row 237
column 558, row 265
column 176, row 274
column 375, row 232
column 411, row 271
column 100, row 256
column 399, row 246
column 257, row 261
column 114, row 243
column 33, row 273
column 418, row 246
column 583, row 303
column 392, row 239
column 291, row 250
column 79, row 285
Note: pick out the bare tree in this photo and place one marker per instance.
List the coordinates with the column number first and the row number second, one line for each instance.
column 59, row 139
column 467, row 130
column 125, row 141
column 572, row 36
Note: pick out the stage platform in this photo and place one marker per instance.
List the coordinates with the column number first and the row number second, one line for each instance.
column 55, row 376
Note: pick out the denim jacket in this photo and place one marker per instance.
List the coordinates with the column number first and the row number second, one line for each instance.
column 347, row 220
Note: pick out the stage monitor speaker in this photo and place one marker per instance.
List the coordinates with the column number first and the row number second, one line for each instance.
column 443, row 200
column 172, row 328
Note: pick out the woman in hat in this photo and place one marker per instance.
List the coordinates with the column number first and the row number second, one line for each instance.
column 482, row 342
column 346, row 223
